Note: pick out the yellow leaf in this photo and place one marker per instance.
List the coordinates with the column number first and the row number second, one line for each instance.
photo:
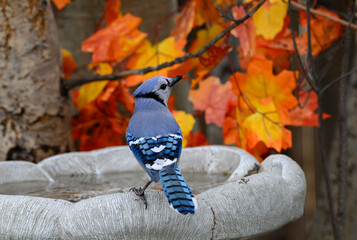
column 266, row 125
column 149, row 55
column 90, row 91
column 186, row 122
column 269, row 19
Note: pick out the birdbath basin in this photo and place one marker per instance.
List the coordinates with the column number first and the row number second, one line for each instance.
column 85, row 196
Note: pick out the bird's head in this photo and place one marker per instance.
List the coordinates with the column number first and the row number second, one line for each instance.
column 158, row 88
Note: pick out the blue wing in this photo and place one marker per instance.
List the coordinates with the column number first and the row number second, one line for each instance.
column 155, row 152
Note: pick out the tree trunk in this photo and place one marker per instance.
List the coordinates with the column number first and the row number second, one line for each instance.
column 34, row 117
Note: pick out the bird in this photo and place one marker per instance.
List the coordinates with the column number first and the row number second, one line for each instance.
column 155, row 139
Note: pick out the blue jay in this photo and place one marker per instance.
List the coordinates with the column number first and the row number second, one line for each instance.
column 155, row 139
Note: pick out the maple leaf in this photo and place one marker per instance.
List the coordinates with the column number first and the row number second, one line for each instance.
column 112, row 11
column 209, row 59
column 265, row 125
column 186, row 122
column 149, row 55
column 269, row 18
column 68, row 63
column 207, row 13
column 90, row 91
column 115, row 42
column 245, row 32
column 99, row 124
column 304, row 114
column 60, row 4
column 185, row 21
column 233, row 132
column 323, row 31
column 96, row 129
column 230, row 131
column 259, row 82
column 196, row 139
column 212, row 97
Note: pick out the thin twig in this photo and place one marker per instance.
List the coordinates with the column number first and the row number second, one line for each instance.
column 224, row 15
column 68, row 84
column 310, row 60
column 306, row 75
column 323, row 14
column 336, row 80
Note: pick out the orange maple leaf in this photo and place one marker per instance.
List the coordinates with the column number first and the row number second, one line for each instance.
column 112, row 11
column 231, row 130
column 99, row 124
column 60, row 4
column 234, row 133
column 68, row 63
column 212, row 97
column 196, row 139
column 259, row 82
column 245, row 32
column 304, row 114
column 95, row 129
column 265, row 125
column 323, row 31
column 185, row 21
column 149, row 55
column 115, row 42
column 209, row 59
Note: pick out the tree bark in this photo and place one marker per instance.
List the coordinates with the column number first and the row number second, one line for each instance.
column 34, row 117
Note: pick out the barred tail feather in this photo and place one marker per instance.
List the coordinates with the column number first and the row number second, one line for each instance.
column 177, row 191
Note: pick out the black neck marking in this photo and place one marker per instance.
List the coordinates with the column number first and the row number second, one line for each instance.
column 153, row 96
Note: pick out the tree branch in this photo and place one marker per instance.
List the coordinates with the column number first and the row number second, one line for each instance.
column 68, row 84
column 322, row 14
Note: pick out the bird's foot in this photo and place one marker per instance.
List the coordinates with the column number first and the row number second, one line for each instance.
column 140, row 192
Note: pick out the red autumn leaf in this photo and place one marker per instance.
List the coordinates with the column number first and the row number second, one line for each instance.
column 112, row 11
column 209, row 59
column 185, row 21
column 99, row 124
column 323, row 31
column 170, row 103
column 95, row 129
column 206, row 13
column 196, row 139
column 60, row 4
column 231, row 130
column 68, row 63
column 212, row 97
column 213, row 56
column 115, row 42
column 304, row 114
column 245, row 32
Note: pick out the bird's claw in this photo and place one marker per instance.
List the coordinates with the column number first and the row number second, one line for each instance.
column 140, row 193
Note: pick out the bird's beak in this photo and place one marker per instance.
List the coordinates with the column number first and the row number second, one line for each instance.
column 175, row 80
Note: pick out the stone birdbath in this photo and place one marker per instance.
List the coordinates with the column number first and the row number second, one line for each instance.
column 85, row 196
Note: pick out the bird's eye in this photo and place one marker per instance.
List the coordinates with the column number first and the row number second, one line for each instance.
column 163, row 86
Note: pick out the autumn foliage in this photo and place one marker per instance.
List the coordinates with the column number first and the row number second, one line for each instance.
column 253, row 106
